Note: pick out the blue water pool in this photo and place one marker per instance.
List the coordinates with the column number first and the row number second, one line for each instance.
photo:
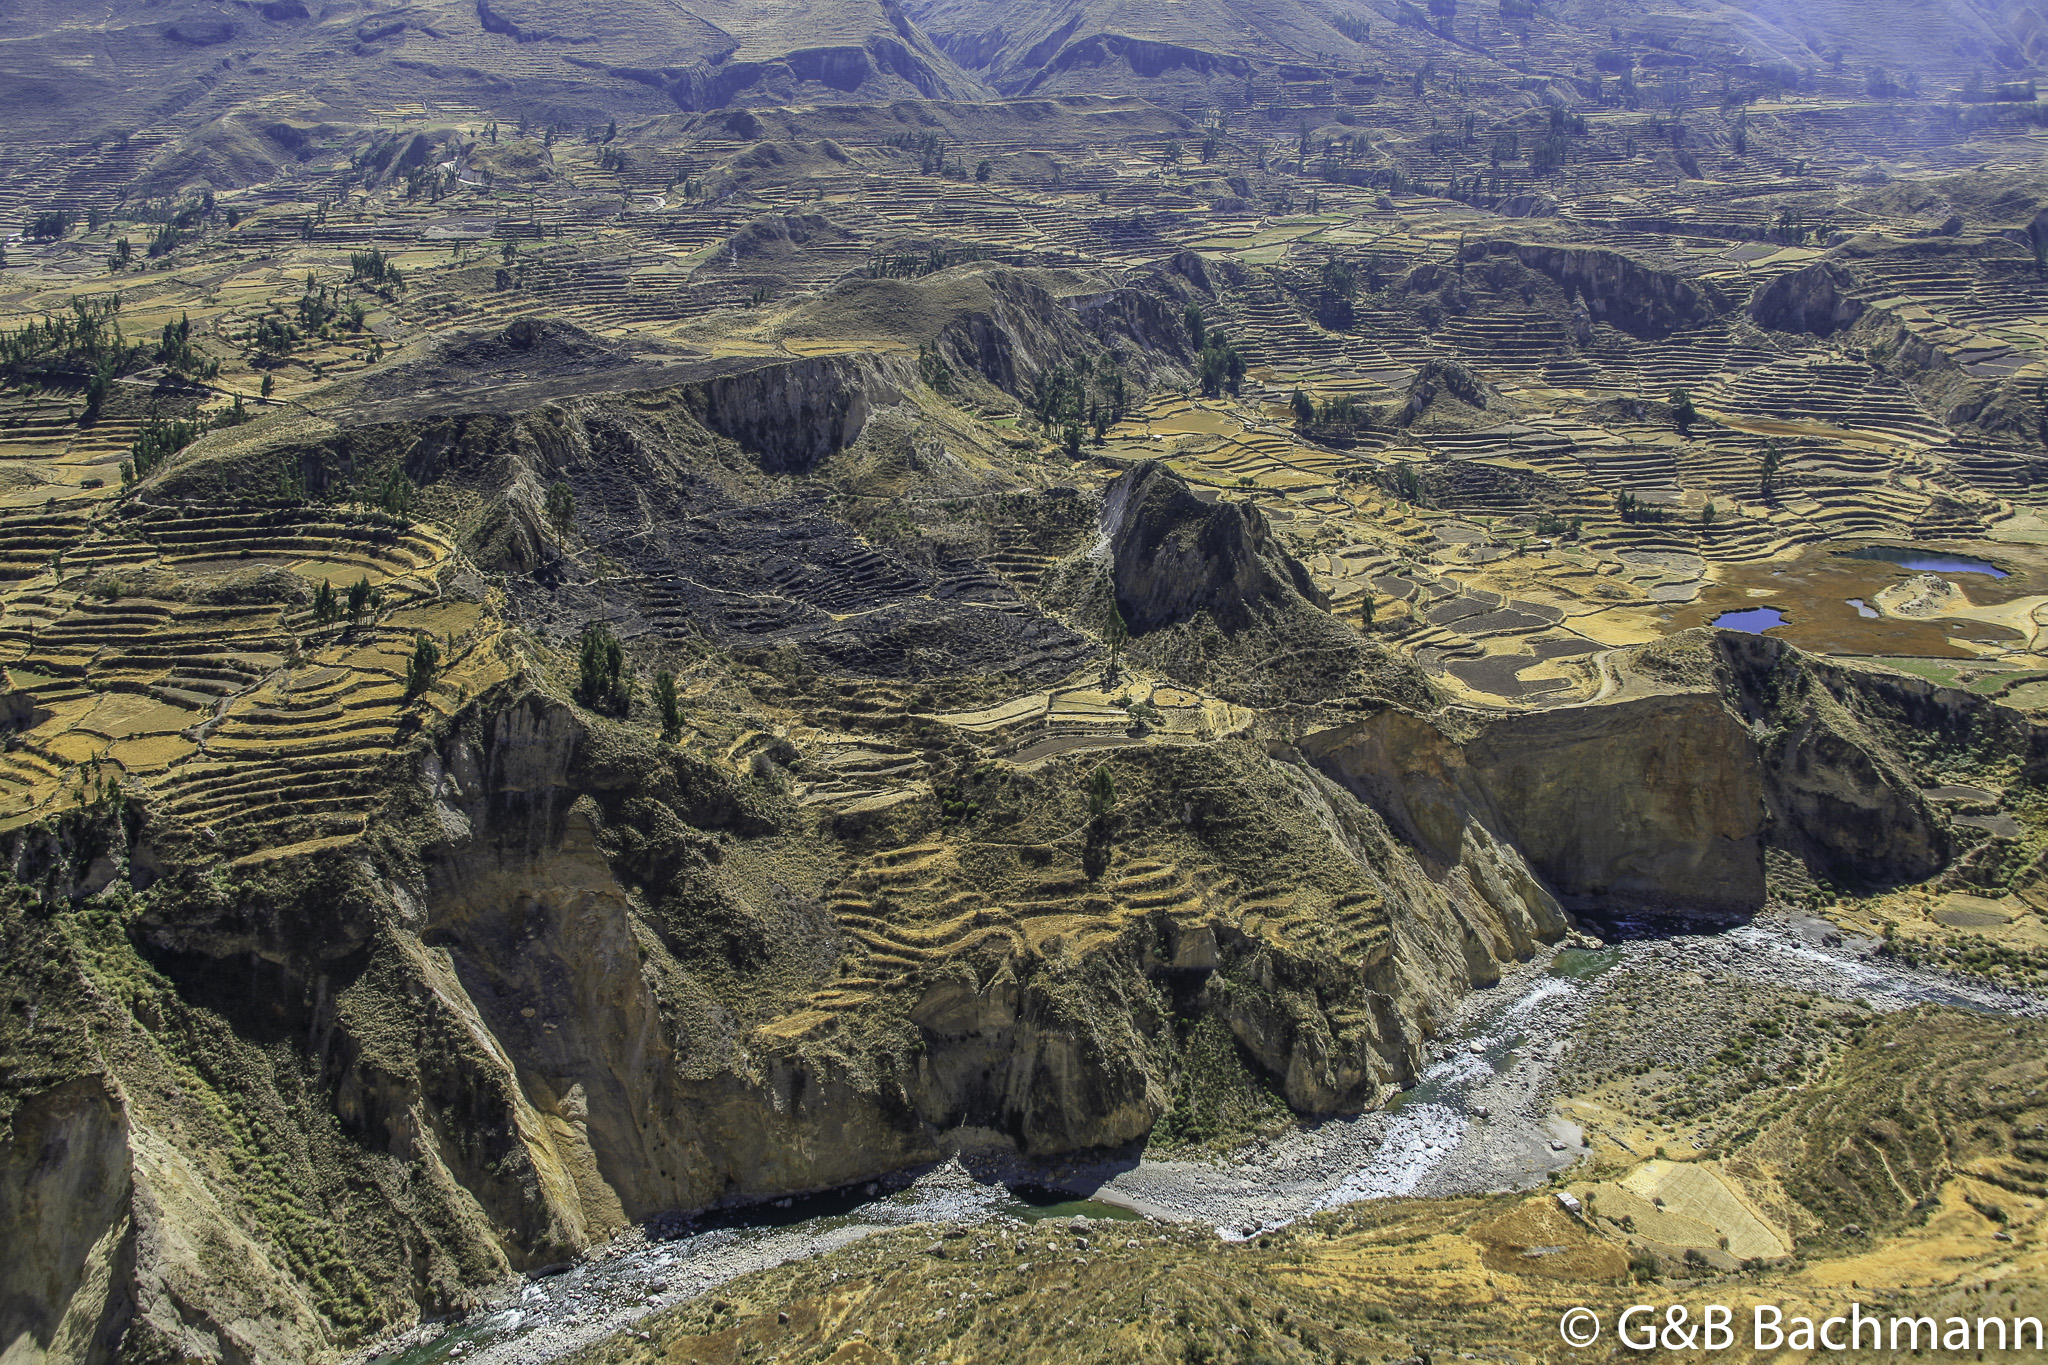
column 1752, row 620
column 1927, row 561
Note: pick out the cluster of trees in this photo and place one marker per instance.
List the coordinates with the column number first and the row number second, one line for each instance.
column 395, row 491
column 176, row 353
column 274, row 337
column 1080, row 395
column 669, row 704
column 1633, row 510
column 560, row 508
column 909, row 265
column 422, row 668
column 375, row 269
column 1402, row 482
column 177, row 223
column 160, row 438
column 1464, row 133
column 165, row 240
column 88, row 341
column 1219, row 366
column 88, row 338
column 157, row 441
column 322, row 310
column 1102, row 798
column 931, row 149
column 1974, row 91
column 433, row 182
column 1683, row 413
column 1335, row 285
column 1330, row 412
column 359, row 600
column 603, row 682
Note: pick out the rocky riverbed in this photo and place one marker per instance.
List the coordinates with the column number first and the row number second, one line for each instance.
column 1483, row 1118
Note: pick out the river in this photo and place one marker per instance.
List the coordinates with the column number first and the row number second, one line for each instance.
column 1479, row 1120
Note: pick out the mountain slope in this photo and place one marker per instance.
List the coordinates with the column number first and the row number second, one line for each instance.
column 132, row 65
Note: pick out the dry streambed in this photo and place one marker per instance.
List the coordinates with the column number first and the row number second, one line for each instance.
column 1481, row 1119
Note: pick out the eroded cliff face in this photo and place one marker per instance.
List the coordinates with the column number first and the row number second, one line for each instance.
column 581, row 950
column 573, row 979
column 1668, row 796
column 795, row 414
column 1835, row 745
column 64, row 1212
column 1637, row 299
column 572, row 982
column 1816, row 299
column 1654, row 803
column 1212, row 597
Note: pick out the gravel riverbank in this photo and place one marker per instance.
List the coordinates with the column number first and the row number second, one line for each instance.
column 1482, row 1119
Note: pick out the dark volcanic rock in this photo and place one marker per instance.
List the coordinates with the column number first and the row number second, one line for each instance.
column 1174, row 555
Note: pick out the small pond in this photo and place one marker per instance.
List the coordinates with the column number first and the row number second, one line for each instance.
column 1752, row 620
column 1927, row 561
column 1038, row 1203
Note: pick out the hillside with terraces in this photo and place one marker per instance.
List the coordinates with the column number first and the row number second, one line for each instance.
column 607, row 612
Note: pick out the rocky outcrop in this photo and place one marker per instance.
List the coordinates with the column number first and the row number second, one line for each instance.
column 1439, row 380
column 1655, row 803
column 579, row 906
column 1668, row 797
column 783, row 234
column 1211, row 597
column 1839, row 796
column 796, row 413
column 1172, row 555
column 1010, row 328
column 65, row 1215
column 1650, row 802
column 1619, row 290
column 1815, row 300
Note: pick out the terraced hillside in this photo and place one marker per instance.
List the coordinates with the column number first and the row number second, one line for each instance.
column 178, row 657
column 607, row 614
